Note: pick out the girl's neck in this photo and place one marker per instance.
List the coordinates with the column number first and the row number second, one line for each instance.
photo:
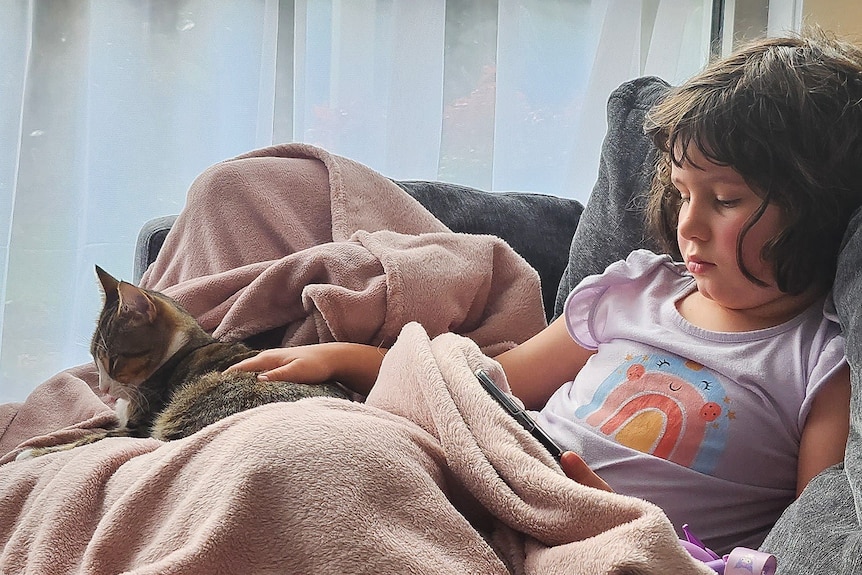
column 709, row 315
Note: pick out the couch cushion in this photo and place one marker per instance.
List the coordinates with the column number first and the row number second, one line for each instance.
column 821, row 531
column 612, row 224
column 150, row 239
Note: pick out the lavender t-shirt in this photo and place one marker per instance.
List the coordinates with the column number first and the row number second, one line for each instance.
column 704, row 424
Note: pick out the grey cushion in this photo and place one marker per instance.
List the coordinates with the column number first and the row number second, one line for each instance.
column 612, row 224
column 821, row 532
column 537, row 226
column 150, row 239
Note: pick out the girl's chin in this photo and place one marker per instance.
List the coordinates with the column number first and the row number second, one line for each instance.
column 707, row 291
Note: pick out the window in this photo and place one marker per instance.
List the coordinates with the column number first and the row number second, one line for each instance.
column 110, row 108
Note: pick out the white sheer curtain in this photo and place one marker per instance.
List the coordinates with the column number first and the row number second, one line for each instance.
column 110, row 108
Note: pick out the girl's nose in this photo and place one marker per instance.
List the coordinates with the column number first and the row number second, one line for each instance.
column 692, row 221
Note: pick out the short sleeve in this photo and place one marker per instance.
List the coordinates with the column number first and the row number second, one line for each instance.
column 583, row 309
column 830, row 359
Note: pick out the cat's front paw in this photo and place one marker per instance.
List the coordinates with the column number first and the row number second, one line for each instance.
column 34, row 452
column 26, row 454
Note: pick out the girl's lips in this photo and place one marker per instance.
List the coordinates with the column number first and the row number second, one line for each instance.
column 698, row 267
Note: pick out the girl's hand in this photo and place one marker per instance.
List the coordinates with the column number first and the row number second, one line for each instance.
column 303, row 364
column 575, row 468
column 352, row 364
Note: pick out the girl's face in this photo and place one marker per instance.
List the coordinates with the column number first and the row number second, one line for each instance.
column 716, row 204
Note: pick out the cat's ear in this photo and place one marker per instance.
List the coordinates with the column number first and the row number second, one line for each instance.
column 109, row 284
column 135, row 304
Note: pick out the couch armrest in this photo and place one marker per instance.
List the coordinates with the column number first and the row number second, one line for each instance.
column 150, row 240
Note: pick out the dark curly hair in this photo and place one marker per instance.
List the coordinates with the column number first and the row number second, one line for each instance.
column 786, row 114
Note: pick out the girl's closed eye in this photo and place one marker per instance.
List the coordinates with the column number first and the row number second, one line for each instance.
column 683, row 196
column 728, row 203
column 725, row 203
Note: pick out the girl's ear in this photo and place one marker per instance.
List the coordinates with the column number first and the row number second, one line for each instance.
column 135, row 305
column 109, row 285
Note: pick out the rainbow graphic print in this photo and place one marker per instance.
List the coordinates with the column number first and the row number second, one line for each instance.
column 666, row 406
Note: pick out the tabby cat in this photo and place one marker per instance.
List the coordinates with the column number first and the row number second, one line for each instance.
column 168, row 373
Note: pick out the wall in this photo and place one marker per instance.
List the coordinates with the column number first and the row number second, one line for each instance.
column 844, row 17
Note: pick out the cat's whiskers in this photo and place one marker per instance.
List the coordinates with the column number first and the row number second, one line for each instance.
column 101, row 345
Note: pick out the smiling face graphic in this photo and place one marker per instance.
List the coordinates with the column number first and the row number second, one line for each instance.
column 664, row 406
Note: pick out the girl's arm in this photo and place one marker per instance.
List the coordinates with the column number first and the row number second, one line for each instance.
column 534, row 369
column 539, row 366
column 824, row 436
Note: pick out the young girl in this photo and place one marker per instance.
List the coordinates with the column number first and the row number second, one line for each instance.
column 715, row 387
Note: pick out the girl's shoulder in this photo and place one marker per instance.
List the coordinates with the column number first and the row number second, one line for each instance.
column 643, row 261
column 641, row 266
column 639, row 285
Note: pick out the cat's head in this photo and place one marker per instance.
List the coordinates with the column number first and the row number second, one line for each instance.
column 138, row 331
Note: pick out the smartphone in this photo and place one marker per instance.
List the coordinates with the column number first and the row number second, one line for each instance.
column 519, row 414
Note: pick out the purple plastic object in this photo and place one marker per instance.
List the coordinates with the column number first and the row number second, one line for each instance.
column 740, row 561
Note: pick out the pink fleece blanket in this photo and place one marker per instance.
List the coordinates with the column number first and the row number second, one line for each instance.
column 427, row 476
